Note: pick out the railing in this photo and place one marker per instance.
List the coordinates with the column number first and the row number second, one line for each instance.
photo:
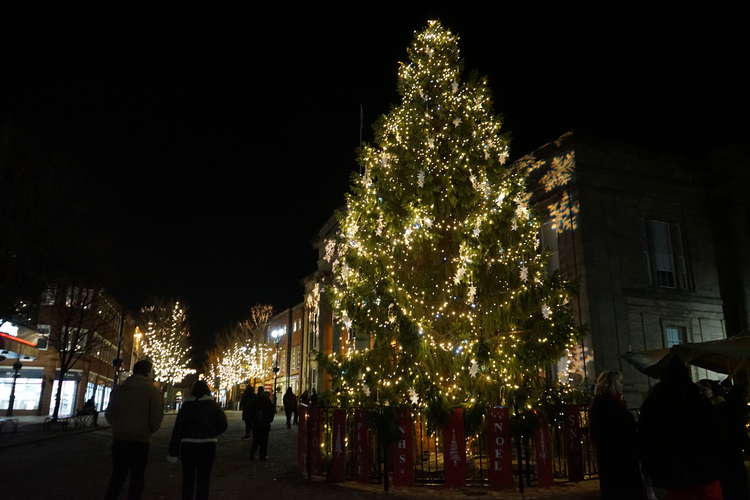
column 428, row 451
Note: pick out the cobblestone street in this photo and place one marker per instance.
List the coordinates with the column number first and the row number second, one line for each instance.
column 78, row 467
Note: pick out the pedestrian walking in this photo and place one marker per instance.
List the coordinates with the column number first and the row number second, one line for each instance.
column 196, row 430
column 733, row 414
column 135, row 412
column 313, row 397
column 680, row 438
column 613, row 430
column 290, row 407
column 247, row 404
column 263, row 416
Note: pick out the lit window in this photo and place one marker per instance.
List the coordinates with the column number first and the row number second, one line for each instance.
column 667, row 262
column 43, row 340
column 674, row 335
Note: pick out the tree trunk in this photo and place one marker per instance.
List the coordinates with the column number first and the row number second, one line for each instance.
column 60, row 379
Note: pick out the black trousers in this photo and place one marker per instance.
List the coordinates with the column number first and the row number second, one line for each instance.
column 197, row 461
column 289, row 414
column 248, row 427
column 128, row 458
column 260, row 440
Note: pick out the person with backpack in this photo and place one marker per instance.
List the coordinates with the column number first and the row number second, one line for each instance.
column 199, row 423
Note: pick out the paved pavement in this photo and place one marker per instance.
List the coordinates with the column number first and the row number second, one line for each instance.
column 78, row 467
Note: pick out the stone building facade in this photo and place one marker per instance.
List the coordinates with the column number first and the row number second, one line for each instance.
column 634, row 228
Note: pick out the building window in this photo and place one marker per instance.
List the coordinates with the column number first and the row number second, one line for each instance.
column 79, row 335
column 67, row 398
column 548, row 239
column 48, row 296
column 667, row 263
column 28, row 391
column 42, row 342
column 674, row 335
column 80, row 298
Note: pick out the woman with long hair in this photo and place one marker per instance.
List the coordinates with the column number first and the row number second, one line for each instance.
column 614, row 433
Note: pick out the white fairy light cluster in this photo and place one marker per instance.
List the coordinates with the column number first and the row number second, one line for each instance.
column 165, row 342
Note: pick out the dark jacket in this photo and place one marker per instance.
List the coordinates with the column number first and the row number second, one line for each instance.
column 263, row 412
column 613, row 431
column 679, row 436
column 247, row 403
column 290, row 401
column 200, row 421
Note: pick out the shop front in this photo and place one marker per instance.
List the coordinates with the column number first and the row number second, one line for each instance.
column 28, row 393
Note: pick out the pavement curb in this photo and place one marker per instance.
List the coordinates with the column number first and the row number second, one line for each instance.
column 53, row 436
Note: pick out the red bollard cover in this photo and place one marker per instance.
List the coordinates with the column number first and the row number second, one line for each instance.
column 313, row 427
column 454, row 450
column 497, row 432
column 573, row 436
column 361, row 447
column 338, row 447
column 542, row 444
column 403, row 451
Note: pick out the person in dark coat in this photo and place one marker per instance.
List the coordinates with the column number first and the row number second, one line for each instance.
column 733, row 415
column 199, row 423
column 246, row 405
column 290, row 407
column 304, row 398
column 313, row 397
column 679, row 436
column 613, row 430
column 263, row 416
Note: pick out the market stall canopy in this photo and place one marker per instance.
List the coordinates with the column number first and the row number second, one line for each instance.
column 17, row 342
column 723, row 356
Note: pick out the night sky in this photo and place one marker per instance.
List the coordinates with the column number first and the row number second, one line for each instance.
column 220, row 146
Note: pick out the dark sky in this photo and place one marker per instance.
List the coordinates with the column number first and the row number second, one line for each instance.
column 222, row 144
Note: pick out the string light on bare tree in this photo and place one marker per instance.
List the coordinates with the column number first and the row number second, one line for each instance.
column 165, row 341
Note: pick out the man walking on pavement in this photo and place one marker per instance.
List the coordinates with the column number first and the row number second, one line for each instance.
column 135, row 412
column 263, row 416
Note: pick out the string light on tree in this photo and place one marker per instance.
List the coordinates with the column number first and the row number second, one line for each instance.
column 165, row 341
column 459, row 295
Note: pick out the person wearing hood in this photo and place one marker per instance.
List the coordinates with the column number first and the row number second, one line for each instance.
column 199, row 423
column 679, row 436
column 135, row 412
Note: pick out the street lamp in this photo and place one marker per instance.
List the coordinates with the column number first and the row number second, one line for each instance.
column 16, row 369
column 277, row 334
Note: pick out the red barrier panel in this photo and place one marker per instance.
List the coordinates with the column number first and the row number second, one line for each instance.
column 302, row 438
column 338, row 451
column 361, row 447
column 497, row 428
column 542, row 444
column 573, row 436
column 403, row 451
column 454, row 450
column 313, row 427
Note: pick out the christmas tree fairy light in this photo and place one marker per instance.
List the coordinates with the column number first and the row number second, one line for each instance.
column 438, row 256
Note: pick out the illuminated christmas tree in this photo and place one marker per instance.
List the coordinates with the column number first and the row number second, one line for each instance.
column 438, row 258
column 165, row 341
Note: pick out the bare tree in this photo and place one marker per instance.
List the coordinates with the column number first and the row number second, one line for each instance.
column 260, row 315
column 80, row 313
